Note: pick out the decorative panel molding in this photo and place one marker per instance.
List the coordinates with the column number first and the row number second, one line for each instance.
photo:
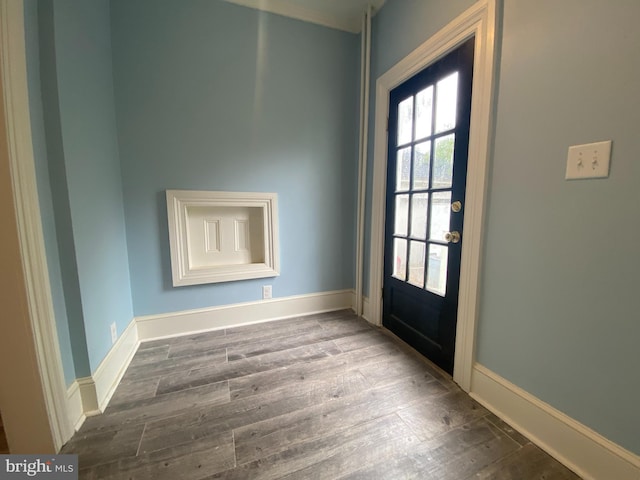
column 212, row 235
column 222, row 236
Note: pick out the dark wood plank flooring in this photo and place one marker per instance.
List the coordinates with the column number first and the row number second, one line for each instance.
column 321, row 397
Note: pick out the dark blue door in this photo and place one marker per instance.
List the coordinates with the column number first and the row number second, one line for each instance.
column 427, row 166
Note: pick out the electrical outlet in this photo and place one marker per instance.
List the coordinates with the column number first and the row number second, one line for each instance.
column 114, row 333
column 588, row 161
column 266, row 292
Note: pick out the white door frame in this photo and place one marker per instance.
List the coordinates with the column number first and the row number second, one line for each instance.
column 31, row 238
column 478, row 20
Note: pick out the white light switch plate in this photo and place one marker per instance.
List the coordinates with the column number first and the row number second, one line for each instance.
column 590, row 160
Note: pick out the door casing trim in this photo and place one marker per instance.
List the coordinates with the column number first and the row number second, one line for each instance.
column 479, row 21
column 31, row 238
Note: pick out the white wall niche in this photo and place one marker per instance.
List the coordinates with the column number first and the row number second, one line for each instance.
column 222, row 236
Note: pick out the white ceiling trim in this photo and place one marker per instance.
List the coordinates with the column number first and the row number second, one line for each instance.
column 321, row 16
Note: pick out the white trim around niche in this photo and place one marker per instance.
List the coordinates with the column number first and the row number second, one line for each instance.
column 187, row 272
column 479, row 21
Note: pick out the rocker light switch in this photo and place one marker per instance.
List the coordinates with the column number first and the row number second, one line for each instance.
column 590, row 160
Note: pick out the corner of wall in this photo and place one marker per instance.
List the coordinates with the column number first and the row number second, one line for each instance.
column 578, row 447
column 90, row 396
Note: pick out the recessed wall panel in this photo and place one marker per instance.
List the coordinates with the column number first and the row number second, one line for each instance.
column 222, row 236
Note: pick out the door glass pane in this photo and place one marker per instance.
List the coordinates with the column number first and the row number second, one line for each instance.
column 424, row 112
column 440, row 215
column 421, row 159
column 416, row 264
column 443, row 162
column 405, row 121
column 419, row 207
column 400, row 258
column 402, row 214
column 403, row 169
column 437, row 274
column 447, row 93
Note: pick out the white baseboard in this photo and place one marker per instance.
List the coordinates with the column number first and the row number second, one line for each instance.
column 87, row 389
column 366, row 309
column 82, row 401
column 108, row 374
column 75, row 411
column 584, row 451
column 366, row 306
column 89, row 396
column 227, row 316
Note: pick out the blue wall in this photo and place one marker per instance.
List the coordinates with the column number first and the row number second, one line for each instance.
column 87, row 114
column 214, row 96
column 44, row 189
column 208, row 96
column 85, row 177
column 559, row 302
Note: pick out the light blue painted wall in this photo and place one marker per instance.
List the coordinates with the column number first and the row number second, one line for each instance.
column 59, row 191
column 92, row 166
column 559, row 303
column 44, row 189
column 406, row 24
column 214, row 96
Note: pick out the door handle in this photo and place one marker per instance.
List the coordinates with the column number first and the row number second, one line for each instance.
column 452, row 237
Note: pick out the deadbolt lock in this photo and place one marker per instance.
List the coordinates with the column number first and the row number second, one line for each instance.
column 456, row 206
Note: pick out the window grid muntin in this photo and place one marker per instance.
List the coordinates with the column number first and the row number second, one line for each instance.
column 430, row 190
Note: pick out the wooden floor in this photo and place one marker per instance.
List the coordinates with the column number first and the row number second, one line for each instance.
column 320, row 397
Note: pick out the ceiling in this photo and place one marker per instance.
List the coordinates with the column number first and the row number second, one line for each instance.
column 340, row 14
